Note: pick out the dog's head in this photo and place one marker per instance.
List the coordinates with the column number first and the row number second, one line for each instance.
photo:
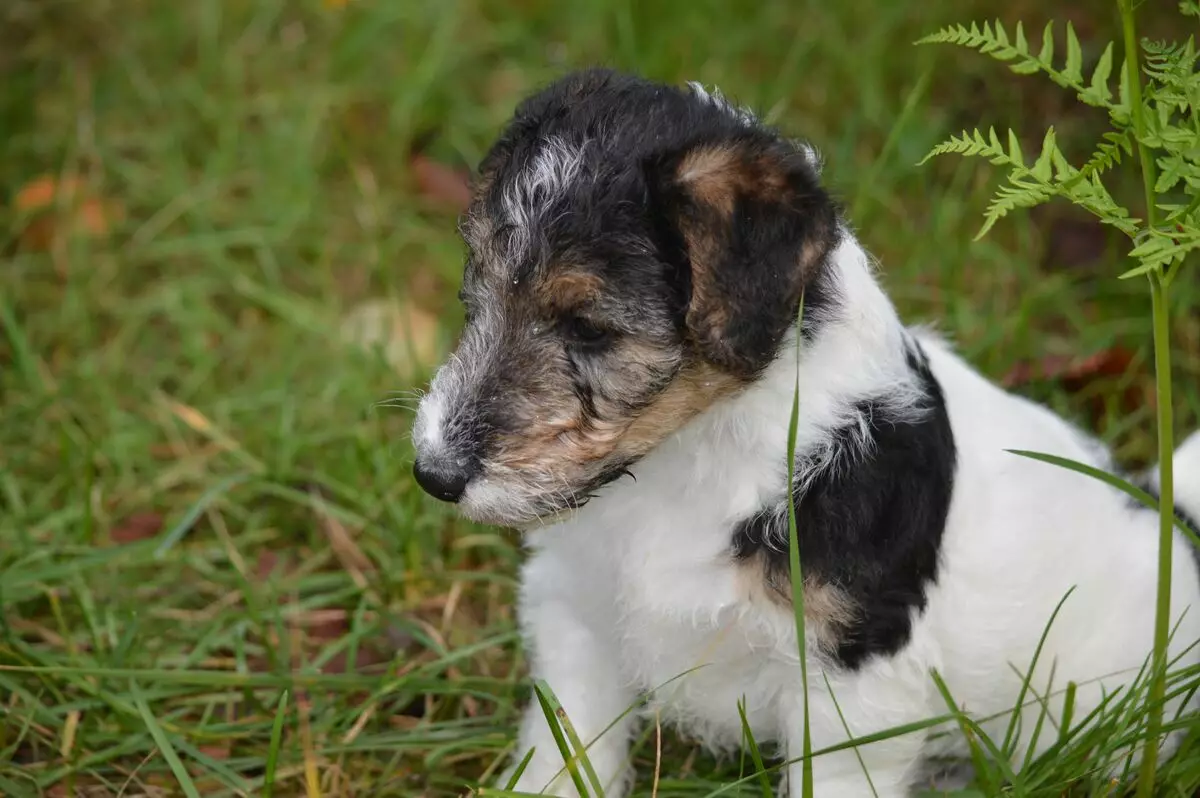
column 636, row 252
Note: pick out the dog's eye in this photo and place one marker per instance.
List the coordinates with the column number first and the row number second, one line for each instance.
column 584, row 331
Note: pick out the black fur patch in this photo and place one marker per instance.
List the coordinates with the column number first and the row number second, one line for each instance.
column 870, row 524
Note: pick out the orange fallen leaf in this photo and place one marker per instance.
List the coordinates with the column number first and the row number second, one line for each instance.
column 440, row 183
column 44, row 191
column 1074, row 373
column 57, row 206
column 265, row 563
column 218, row 750
column 1077, row 375
column 139, row 526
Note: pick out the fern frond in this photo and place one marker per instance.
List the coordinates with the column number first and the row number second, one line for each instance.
column 1092, row 196
column 1017, row 194
column 1108, row 153
column 1175, row 168
column 992, row 39
column 975, row 145
column 1159, row 249
column 1097, row 93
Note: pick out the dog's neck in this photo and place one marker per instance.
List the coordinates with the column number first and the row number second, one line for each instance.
column 853, row 355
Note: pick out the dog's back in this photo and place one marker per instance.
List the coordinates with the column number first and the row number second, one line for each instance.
column 1024, row 536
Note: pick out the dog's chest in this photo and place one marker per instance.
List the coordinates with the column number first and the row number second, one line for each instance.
column 692, row 631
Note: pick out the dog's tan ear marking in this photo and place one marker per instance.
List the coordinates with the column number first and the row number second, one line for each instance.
column 755, row 226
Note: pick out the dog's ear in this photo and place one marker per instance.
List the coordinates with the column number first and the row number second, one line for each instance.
column 748, row 226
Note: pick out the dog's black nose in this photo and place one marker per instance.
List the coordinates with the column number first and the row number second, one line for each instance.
column 445, row 482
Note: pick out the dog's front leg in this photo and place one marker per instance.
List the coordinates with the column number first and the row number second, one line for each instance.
column 869, row 703
column 579, row 664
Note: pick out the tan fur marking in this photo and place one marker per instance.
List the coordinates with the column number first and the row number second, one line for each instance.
column 566, row 444
column 706, row 312
column 569, row 289
column 828, row 611
column 712, row 175
column 716, row 177
column 694, row 390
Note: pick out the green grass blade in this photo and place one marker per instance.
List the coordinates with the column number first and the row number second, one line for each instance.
column 985, row 764
column 164, row 744
column 14, row 790
column 275, row 744
column 1126, row 487
column 542, row 691
column 520, row 769
column 764, row 781
column 794, row 560
column 572, row 736
column 181, row 528
column 849, row 734
column 1010, row 732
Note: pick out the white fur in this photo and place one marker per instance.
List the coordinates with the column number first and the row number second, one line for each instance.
column 749, row 119
column 638, row 587
column 743, row 115
column 555, row 167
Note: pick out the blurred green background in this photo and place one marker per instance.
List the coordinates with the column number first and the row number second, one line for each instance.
column 228, row 257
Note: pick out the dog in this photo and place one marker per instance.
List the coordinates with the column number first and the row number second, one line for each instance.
column 653, row 275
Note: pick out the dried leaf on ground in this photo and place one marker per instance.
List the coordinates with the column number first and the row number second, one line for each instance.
column 1073, row 373
column 53, row 207
column 139, row 526
column 1093, row 377
column 440, row 183
column 268, row 563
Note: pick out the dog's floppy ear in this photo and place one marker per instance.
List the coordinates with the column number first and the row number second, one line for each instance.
column 750, row 226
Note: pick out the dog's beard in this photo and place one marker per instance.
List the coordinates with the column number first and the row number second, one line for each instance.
column 515, row 501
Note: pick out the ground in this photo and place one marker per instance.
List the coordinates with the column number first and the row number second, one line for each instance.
column 207, row 521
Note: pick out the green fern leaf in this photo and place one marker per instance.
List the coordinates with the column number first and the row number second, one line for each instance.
column 1159, row 249
column 1098, row 93
column 992, row 39
column 1108, row 153
column 1074, row 67
column 1014, row 149
column 1173, row 169
column 1028, row 65
column 1042, row 167
column 1091, row 195
column 1019, row 42
column 1001, row 36
column 1017, row 194
column 1063, row 171
column 1046, row 56
column 973, row 145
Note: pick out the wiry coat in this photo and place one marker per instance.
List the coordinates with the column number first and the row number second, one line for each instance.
column 623, row 392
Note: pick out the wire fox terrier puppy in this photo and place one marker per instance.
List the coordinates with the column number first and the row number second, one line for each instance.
column 622, row 392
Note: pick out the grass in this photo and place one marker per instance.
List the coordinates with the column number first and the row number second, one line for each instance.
column 215, row 572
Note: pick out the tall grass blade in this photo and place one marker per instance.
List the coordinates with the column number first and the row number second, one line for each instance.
column 164, row 744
